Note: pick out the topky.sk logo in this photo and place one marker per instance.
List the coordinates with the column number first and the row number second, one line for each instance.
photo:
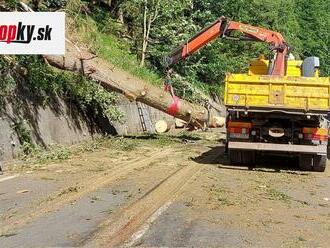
column 32, row 33
column 24, row 33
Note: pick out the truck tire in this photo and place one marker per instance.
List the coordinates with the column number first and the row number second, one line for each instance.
column 235, row 157
column 319, row 163
column 248, row 158
column 242, row 157
column 306, row 162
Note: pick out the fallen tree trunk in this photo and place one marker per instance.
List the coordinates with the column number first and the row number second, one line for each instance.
column 114, row 79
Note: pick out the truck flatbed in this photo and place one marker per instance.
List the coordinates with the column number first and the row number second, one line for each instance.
column 306, row 94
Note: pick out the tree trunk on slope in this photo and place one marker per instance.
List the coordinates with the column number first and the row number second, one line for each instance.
column 111, row 78
column 120, row 15
column 114, row 79
column 144, row 41
column 149, row 16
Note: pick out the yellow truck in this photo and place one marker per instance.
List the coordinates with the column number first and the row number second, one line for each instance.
column 285, row 115
column 279, row 106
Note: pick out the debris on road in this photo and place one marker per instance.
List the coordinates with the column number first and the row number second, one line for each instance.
column 23, row 191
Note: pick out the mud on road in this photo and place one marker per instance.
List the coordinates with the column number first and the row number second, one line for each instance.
column 160, row 191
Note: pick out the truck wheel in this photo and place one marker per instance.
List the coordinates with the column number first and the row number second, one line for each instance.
column 242, row 157
column 235, row 157
column 306, row 162
column 248, row 158
column 320, row 162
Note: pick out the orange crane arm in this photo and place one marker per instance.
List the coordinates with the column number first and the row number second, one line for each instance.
column 223, row 28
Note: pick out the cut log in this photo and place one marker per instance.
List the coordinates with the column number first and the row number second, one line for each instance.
column 217, row 121
column 180, row 123
column 162, row 126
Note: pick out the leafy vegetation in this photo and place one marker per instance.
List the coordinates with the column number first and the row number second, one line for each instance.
column 131, row 34
column 98, row 32
column 55, row 153
column 278, row 196
column 119, row 32
column 305, row 24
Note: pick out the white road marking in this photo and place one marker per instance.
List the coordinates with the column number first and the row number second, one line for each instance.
column 8, row 178
column 140, row 233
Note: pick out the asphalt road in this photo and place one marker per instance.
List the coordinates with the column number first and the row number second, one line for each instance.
column 162, row 193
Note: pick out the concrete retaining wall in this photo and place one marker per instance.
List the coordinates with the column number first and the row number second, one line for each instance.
column 132, row 122
column 62, row 123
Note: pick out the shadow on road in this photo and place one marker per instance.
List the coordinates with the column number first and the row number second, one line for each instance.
column 264, row 162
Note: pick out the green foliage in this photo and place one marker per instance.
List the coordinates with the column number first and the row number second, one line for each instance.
column 51, row 154
column 24, row 136
column 7, row 75
column 98, row 31
column 55, row 153
column 315, row 30
column 278, row 196
column 112, row 41
column 304, row 23
column 55, row 3
column 46, row 82
column 118, row 53
column 11, row 3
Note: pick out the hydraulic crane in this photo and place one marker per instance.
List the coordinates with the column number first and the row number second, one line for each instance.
column 224, row 28
column 279, row 106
